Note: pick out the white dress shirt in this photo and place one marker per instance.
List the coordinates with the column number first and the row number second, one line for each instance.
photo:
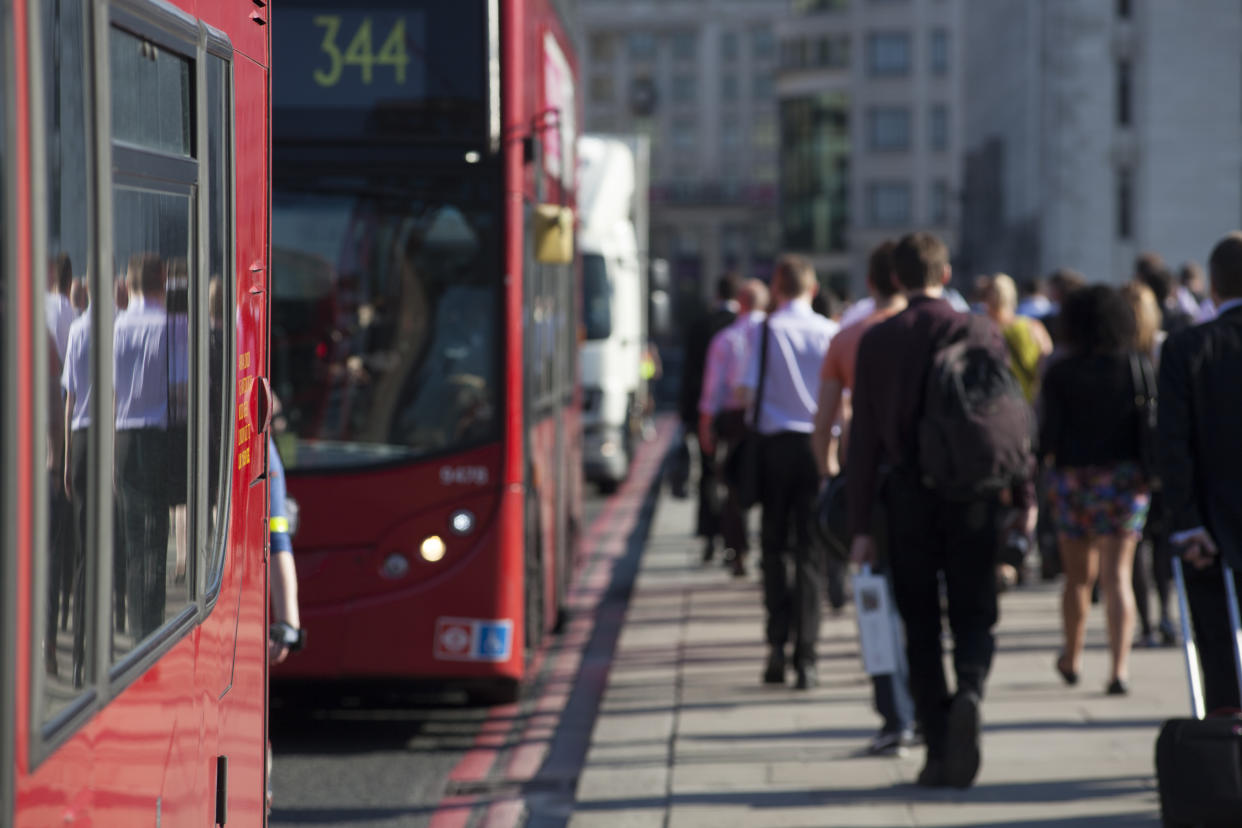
column 140, row 365
column 76, row 375
column 60, row 316
column 798, row 340
column 726, row 361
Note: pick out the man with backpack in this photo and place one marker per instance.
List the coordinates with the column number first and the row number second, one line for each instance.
column 942, row 434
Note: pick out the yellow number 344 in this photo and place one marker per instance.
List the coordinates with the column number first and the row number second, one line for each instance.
column 360, row 51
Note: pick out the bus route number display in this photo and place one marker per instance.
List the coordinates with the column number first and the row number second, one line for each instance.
column 352, row 59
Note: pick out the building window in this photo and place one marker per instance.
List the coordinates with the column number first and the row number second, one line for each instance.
column 814, row 172
column 939, row 52
column 603, row 47
column 731, row 133
column 1123, row 9
column 763, row 90
column 729, row 87
column 1123, row 92
column 641, row 46
column 1125, row 204
column 888, row 53
column 684, row 45
column 763, row 135
column 938, row 128
column 833, row 52
column 888, row 128
column 602, row 88
column 762, row 43
column 888, row 203
column 938, row 202
column 683, row 134
column 683, row 88
column 728, row 45
column 817, row 6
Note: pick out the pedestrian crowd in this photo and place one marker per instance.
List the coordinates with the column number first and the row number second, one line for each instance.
column 957, row 448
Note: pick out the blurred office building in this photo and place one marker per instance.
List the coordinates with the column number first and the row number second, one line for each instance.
column 1097, row 129
column 698, row 77
column 870, row 97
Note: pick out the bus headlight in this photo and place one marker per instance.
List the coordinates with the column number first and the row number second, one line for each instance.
column 462, row 521
column 432, row 549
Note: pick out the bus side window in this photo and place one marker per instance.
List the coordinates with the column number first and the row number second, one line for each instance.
column 155, row 247
column 221, row 298
column 65, row 350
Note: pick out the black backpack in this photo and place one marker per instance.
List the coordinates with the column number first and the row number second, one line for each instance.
column 977, row 429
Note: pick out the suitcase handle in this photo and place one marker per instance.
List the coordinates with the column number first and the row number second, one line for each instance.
column 1189, row 650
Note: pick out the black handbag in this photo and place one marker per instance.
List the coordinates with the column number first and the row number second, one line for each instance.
column 744, row 466
column 1145, row 404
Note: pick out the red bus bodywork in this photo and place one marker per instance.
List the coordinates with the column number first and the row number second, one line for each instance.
column 432, row 620
column 144, row 749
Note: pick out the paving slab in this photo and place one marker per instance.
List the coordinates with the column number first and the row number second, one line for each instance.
column 687, row 737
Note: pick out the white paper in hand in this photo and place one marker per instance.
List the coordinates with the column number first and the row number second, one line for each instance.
column 878, row 634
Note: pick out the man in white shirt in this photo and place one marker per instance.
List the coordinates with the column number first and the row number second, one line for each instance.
column 721, row 417
column 57, row 307
column 141, row 370
column 783, row 380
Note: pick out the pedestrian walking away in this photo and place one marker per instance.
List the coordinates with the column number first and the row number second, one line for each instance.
column 1095, row 437
column 722, row 418
column 782, row 380
column 1200, row 462
column 891, row 690
column 932, row 533
column 699, row 337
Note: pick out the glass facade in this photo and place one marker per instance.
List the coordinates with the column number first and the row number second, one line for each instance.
column 814, row 177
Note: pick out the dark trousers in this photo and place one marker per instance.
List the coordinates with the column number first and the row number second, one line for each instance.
column 1205, row 590
column 788, row 481
column 710, row 501
column 142, row 469
column 930, row 537
column 731, row 430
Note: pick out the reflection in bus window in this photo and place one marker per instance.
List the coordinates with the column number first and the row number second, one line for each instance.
column 67, row 383
column 386, row 336
column 151, row 370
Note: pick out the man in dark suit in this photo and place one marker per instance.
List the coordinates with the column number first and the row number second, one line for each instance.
column 1200, row 460
column 698, row 338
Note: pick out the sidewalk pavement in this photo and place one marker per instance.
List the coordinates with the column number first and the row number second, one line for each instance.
column 687, row 736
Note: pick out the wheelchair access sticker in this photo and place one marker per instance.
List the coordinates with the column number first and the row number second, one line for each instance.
column 473, row 639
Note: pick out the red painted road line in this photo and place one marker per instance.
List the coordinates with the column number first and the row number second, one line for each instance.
column 603, row 543
column 592, row 582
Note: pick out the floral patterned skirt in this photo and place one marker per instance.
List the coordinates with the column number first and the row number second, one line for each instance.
column 1094, row 501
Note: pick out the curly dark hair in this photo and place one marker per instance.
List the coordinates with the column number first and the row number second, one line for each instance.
column 1097, row 319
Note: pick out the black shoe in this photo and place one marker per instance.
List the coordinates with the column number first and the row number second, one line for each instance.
column 932, row 775
column 1118, row 687
column 808, row 678
column 1067, row 675
column 709, row 550
column 774, row 673
column 1168, row 637
column 738, row 565
column 962, row 740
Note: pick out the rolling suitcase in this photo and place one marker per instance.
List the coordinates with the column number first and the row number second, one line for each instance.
column 1199, row 760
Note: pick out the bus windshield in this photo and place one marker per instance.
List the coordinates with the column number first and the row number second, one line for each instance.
column 385, row 315
column 596, row 296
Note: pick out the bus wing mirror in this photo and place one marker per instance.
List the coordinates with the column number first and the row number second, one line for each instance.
column 554, row 234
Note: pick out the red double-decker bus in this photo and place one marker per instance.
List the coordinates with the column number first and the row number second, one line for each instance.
column 425, row 329
column 134, row 159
